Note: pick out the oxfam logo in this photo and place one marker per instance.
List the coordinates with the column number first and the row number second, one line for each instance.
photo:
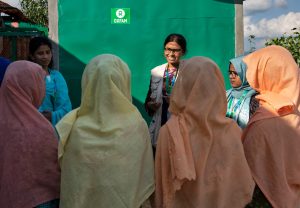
column 120, row 13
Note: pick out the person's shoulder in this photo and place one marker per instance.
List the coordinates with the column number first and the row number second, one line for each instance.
column 159, row 67
column 158, row 70
column 55, row 72
column 4, row 62
column 228, row 92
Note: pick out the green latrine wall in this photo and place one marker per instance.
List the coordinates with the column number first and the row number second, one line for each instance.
column 86, row 29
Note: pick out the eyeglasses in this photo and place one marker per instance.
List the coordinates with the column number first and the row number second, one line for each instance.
column 172, row 50
column 233, row 73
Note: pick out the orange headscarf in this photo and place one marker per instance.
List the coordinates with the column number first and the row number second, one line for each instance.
column 272, row 138
column 200, row 160
column 29, row 172
column 273, row 72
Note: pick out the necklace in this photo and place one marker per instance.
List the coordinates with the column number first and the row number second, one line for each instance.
column 170, row 82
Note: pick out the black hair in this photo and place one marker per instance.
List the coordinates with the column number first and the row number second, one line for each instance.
column 179, row 39
column 36, row 42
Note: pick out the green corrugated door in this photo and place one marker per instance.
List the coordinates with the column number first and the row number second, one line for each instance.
column 85, row 30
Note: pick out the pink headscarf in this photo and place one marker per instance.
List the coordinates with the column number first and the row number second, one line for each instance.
column 272, row 137
column 29, row 171
column 200, row 160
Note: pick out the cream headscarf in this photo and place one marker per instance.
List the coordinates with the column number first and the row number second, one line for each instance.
column 200, row 160
column 105, row 150
column 272, row 138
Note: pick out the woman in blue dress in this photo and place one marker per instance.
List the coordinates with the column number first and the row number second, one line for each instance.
column 56, row 103
column 240, row 98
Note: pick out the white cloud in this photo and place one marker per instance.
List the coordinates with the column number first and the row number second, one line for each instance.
column 280, row 3
column 254, row 6
column 265, row 28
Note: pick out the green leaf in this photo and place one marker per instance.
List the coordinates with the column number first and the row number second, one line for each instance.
column 36, row 10
column 291, row 43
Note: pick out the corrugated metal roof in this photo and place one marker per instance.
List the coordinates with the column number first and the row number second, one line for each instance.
column 13, row 12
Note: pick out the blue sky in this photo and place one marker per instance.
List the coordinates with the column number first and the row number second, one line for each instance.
column 269, row 18
column 263, row 18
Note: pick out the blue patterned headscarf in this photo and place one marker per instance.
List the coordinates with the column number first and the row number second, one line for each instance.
column 241, row 69
column 240, row 110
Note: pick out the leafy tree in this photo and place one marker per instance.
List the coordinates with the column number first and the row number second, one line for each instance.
column 291, row 42
column 36, row 11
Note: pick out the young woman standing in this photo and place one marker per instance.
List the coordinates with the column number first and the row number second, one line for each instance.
column 56, row 102
column 163, row 78
column 241, row 97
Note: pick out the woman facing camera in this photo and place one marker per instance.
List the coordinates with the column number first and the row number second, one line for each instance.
column 240, row 98
column 56, row 102
column 163, row 78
